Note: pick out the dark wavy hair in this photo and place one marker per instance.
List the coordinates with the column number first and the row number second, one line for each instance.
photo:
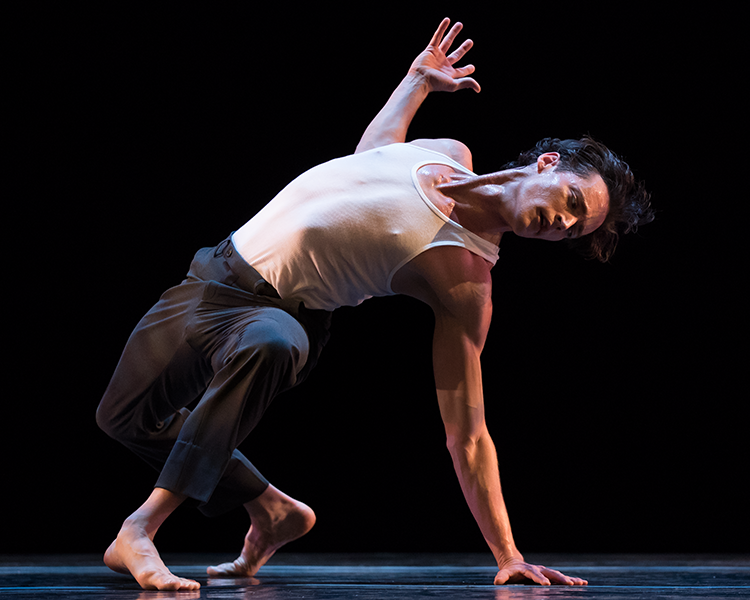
column 629, row 202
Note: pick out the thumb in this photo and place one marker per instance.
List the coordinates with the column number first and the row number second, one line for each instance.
column 468, row 83
column 502, row 577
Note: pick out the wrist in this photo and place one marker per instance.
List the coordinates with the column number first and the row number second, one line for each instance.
column 506, row 552
column 416, row 82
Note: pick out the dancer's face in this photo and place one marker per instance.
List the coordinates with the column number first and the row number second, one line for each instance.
column 553, row 204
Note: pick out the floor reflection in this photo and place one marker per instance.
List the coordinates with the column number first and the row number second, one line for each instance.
column 427, row 577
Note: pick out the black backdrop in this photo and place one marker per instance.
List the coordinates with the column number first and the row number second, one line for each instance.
column 612, row 391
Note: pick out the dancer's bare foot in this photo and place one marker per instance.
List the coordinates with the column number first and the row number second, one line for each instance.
column 134, row 553
column 276, row 519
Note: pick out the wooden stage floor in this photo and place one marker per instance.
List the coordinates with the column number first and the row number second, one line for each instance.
column 388, row 576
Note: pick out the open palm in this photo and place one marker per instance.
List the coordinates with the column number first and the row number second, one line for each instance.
column 436, row 66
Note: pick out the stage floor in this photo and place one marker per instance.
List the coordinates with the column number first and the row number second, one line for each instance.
column 388, row 576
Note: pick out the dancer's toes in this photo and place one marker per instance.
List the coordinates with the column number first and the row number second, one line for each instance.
column 165, row 581
column 237, row 568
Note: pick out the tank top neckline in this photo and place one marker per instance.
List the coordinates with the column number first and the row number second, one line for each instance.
column 489, row 246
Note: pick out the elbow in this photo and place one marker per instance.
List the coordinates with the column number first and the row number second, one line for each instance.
column 462, row 445
column 363, row 147
column 467, row 442
column 471, row 451
column 371, row 142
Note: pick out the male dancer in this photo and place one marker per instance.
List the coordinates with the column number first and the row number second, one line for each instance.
column 251, row 317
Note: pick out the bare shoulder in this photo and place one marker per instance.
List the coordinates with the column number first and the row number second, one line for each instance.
column 452, row 280
column 454, row 149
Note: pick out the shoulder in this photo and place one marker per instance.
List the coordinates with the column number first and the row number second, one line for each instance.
column 454, row 149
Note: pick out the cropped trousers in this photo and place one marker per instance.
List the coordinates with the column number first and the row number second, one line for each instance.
column 199, row 371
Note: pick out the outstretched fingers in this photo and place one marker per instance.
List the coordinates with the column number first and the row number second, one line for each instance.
column 459, row 52
column 446, row 44
column 440, row 32
column 538, row 574
column 560, row 578
column 436, row 66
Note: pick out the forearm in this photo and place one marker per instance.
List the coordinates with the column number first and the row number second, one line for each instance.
column 392, row 122
column 475, row 463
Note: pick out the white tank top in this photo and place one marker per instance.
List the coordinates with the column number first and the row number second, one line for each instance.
column 338, row 233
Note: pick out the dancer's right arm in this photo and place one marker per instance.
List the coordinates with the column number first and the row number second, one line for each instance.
column 431, row 71
column 458, row 286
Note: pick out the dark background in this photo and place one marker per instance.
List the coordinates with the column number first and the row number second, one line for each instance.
column 614, row 392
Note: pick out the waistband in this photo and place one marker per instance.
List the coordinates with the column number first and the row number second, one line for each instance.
column 248, row 278
column 225, row 265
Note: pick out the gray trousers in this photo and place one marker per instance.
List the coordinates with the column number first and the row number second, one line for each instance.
column 222, row 338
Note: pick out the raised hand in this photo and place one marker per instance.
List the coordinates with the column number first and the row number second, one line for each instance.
column 431, row 71
column 515, row 570
column 435, row 65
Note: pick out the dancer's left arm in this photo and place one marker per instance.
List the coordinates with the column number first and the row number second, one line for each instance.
column 432, row 71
